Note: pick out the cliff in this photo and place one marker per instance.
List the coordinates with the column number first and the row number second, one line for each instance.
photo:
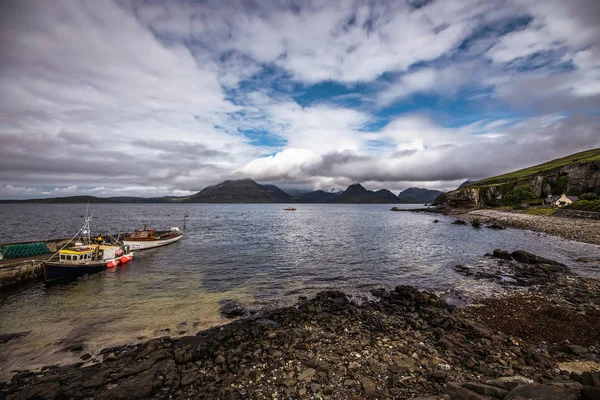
column 574, row 174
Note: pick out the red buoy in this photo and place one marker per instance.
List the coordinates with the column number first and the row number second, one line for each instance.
column 124, row 259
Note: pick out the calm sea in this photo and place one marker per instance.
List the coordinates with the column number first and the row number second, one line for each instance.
column 259, row 255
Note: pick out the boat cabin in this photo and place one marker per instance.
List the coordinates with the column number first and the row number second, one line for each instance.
column 76, row 256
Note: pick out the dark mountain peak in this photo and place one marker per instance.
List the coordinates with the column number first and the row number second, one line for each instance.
column 240, row 191
column 356, row 193
column 356, row 188
column 386, row 194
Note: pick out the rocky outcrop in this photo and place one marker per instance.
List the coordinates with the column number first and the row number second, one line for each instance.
column 403, row 343
column 554, row 177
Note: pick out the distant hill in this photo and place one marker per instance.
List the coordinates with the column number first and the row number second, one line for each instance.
column 318, row 196
column 240, row 191
column 357, row 194
column 94, row 200
column 416, row 195
column 243, row 191
column 574, row 174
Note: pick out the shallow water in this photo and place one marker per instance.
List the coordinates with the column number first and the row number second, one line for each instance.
column 257, row 254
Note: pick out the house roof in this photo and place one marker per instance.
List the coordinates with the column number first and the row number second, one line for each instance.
column 552, row 199
column 573, row 198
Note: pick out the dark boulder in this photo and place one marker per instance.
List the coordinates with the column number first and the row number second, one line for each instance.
column 232, row 309
column 540, row 391
column 503, row 255
column 10, row 336
column 496, row 226
column 460, row 222
column 526, row 257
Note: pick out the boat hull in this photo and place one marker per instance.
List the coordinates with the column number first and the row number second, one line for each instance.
column 55, row 271
column 151, row 243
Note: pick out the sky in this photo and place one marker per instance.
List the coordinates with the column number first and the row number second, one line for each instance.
column 153, row 98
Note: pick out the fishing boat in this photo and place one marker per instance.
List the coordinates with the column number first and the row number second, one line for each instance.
column 80, row 256
column 290, row 209
column 148, row 238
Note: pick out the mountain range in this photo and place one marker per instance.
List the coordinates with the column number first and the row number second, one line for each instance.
column 248, row 191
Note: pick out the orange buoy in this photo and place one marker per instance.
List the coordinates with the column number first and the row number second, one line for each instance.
column 124, row 259
column 130, row 257
column 110, row 264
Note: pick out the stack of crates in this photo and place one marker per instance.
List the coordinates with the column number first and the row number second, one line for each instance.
column 10, row 251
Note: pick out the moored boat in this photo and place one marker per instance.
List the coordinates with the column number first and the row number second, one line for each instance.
column 84, row 257
column 290, row 209
column 148, row 238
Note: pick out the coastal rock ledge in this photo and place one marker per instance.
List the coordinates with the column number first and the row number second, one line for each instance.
column 405, row 343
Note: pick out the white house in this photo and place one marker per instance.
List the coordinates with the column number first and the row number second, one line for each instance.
column 560, row 201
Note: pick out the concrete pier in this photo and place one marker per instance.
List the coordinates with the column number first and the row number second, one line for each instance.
column 22, row 270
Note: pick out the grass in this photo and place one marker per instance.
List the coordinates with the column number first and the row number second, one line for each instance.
column 585, row 205
column 584, row 156
column 540, row 211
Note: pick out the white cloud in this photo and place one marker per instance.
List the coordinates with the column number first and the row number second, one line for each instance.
column 138, row 98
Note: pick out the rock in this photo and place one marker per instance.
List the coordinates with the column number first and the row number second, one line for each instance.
column 589, row 393
column 501, row 254
column 307, row 374
column 231, row 309
column 47, row 390
column 526, row 257
column 369, row 387
column 314, row 387
column 76, row 347
column 86, row 356
column 460, row 222
column 220, row 359
column 487, row 390
column 11, row 336
column 476, row 223
column 435, row 221
column 542, row 391
column 457, row 392
column 576, row 349
column 509, row 382
column 496, row 226
column 589, row 378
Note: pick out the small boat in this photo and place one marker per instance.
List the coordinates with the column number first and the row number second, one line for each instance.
column 84, row 257
column 290, row 209
column 143, row 239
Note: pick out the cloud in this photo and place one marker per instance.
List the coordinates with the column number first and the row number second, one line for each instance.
column 153, row 98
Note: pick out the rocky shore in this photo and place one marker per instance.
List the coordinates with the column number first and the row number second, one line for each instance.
column 581, row 230
column 541, row 341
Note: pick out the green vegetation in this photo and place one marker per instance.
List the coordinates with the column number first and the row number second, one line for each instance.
column 540, row 211
column 589, row 196
column 519, row 195
column 585, row 205
column 585, row 156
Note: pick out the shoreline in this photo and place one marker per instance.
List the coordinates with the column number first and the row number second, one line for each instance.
column 577, row 229
column 404, row 343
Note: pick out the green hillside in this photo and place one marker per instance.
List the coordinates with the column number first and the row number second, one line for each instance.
column 541, row 169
